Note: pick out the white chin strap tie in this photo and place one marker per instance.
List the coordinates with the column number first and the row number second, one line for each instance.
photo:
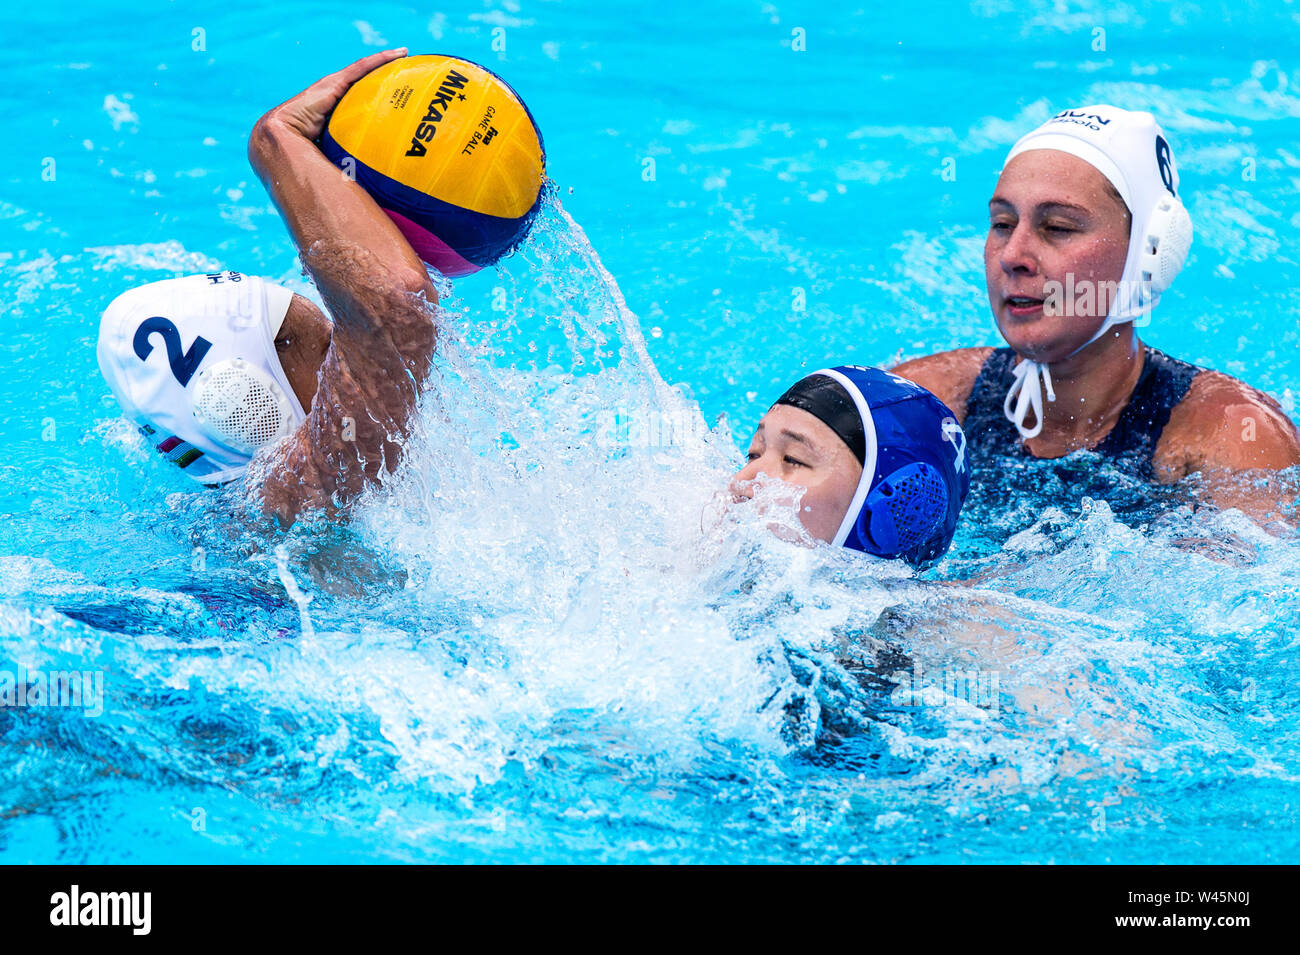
column 1027, row 393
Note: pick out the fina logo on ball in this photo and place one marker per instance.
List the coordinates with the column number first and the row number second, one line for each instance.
column 428, row 125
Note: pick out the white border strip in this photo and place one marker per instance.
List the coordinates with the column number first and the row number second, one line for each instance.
column 868, row 466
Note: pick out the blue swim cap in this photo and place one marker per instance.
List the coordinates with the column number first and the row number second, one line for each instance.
column 914, row 473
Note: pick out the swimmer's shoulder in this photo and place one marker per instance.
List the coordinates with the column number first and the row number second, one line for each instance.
column 1225, row 424
column 949, row 375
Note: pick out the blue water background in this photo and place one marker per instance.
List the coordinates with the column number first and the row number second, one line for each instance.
column 798, row 215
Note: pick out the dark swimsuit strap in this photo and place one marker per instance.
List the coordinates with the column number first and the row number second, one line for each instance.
column 1163, row 383
column 988, row 432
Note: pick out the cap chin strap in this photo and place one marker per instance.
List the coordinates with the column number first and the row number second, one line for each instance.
column 1027, row 393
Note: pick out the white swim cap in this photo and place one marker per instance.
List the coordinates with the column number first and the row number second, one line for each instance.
column 193, row 362
column 1128, row 148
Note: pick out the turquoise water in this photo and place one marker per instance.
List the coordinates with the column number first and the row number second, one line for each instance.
column 532, row 646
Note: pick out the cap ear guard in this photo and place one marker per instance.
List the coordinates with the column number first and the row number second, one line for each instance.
column 903, row 511
column 239, row 405
column 1166, row 244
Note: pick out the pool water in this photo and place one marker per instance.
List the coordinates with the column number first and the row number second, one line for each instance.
column 545, row 640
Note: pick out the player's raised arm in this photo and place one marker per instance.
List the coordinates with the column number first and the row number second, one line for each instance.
column 377, row 292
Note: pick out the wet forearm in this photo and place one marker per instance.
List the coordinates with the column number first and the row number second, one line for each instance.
column 381, row 302
column 322, row 208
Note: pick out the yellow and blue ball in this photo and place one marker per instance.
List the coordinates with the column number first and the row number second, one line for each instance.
column 449, row 151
